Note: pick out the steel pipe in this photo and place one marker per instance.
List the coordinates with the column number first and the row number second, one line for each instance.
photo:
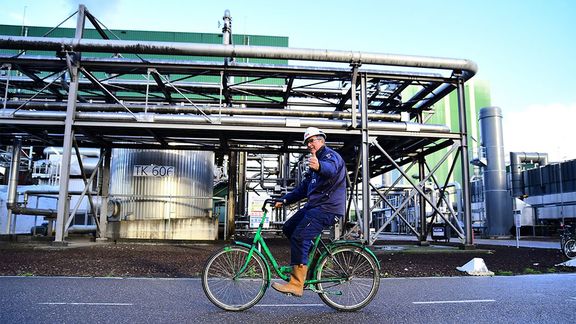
column 516, row 160
column 13, row 175
column 469, row 68
column 167, row 109
column 232, row 120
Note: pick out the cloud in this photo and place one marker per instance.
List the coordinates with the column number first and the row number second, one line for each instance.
column 542, row 128
column 102, row 10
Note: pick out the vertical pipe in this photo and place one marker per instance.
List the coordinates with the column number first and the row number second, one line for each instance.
column 498, row 202
column 104, row 192
column 61, row 218
column 285, row 178
column 561, row 194
column 353, row 108
column 465, row 163
column 232, row 192
column 13, row 183
column 516, row 160
column 227, row 28
column 365, row 165
column 241, row 184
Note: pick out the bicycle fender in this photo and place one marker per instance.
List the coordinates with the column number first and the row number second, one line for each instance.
column 249, row 246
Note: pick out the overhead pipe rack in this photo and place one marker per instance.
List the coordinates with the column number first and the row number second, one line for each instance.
column 378, row 126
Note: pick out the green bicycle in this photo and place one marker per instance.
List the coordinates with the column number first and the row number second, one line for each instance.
column 345, row 274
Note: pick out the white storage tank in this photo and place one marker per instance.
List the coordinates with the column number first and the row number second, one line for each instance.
column 162, row 194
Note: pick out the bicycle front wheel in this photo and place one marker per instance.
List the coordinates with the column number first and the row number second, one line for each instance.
column 230, row 282
column 570, row 249
column 348, row 278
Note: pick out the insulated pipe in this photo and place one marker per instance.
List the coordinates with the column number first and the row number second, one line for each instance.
column 167, row 109
column 469, row 68
column 516, row 160
column 34, row 211
column 13, row 183
column 230, row 120
column 13, row 175
column 86, row 151
column 82, row 229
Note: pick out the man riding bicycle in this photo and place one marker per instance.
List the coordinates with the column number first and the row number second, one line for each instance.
column 325, row 187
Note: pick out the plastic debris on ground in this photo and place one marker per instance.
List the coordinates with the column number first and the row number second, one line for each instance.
column 476, row 267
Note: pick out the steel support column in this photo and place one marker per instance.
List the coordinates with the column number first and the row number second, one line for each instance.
column 423, row 235
column 465, row 163
column 365, row 151
column 61, row 218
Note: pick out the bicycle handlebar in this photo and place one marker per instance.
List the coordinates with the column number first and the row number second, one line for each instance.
column 270, row 201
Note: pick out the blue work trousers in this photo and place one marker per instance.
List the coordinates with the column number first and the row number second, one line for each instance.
column 302, row 228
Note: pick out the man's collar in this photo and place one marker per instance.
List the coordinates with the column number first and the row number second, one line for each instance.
column 321, row 151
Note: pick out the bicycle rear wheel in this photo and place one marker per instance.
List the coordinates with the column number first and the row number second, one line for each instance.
column 227, row 287
column 570, row 249
column 349, row 278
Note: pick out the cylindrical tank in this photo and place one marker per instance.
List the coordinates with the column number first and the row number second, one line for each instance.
column 499, row 217
column 163, row 194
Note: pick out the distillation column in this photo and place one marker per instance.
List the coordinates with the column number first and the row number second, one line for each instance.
column 499, row 218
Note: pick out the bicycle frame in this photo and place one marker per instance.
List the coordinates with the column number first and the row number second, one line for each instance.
column 258, row 243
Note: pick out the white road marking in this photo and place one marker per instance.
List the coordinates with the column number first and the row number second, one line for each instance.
column 456, row 301
column 90, row 304
column 288, row 305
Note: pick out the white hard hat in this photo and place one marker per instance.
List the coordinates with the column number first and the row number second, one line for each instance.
column 312, row 131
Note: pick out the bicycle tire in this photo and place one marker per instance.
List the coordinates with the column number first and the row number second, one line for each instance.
column 570, row 249
column 360, row 277
column 222, row 286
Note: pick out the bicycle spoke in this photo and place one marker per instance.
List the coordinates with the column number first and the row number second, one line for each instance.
column 348, row 278
column 227, row 287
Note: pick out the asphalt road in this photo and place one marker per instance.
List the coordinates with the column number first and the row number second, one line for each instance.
column 520, row 299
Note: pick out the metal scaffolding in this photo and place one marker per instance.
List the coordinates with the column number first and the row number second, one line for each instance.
column 89, row 93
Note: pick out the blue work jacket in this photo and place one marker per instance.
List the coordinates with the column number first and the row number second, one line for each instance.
column 325, row 188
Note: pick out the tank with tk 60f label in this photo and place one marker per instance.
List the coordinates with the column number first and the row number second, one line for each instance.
column 162, row 194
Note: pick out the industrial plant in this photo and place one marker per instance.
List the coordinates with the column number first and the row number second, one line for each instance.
column 132, row 135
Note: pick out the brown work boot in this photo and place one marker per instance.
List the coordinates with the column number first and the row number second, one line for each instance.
column 296, row 284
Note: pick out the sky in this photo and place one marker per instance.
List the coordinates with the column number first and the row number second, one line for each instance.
column 525, row 49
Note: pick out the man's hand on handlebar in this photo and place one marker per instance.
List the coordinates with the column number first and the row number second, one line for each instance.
column 276, row 202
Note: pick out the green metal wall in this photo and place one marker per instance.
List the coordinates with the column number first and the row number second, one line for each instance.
column 158, row 36
column 477, row 94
